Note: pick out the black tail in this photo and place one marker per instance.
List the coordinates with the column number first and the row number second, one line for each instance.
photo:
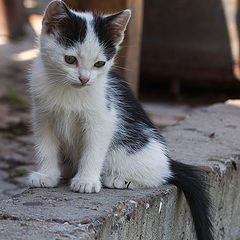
column 189, row 179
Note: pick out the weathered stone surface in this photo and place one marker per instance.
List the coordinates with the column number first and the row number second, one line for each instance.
column 164, row 115
column 208, row 138
column 39, row 230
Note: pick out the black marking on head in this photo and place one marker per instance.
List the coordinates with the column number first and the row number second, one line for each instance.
column 105, row 37
column 135, row 128
column 64, row 24
column 72, row 29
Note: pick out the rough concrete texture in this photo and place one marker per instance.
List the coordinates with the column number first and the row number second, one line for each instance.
column 208, row 138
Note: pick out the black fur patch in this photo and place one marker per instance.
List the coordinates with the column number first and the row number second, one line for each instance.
column 135, row 128
column 72, row 29
column 104, row 36
column 190, row 180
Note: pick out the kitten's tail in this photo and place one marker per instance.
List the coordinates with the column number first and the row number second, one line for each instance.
column 189, row 179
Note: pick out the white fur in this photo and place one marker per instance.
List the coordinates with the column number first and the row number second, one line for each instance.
column 76, row 122
column 146, row 168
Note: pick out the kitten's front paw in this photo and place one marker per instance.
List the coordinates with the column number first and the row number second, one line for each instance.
column 37, row 179
column 85, row 185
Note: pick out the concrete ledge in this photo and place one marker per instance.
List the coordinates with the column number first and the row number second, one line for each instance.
column 208, row 138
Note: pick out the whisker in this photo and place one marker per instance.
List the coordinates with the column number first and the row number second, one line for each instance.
column 124, row 68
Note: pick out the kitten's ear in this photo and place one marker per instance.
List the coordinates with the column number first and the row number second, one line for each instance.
column 54, row 13
column 117, row 23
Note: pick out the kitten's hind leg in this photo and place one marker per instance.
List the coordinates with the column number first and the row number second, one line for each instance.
column 147, row 167
column 111, row 181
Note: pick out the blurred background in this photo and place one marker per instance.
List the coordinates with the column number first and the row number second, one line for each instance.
column 178, row 56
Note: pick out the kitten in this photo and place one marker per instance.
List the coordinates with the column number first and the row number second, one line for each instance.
column 86, row 121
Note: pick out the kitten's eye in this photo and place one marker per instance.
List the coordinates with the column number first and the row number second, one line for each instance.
column 70, row 59
column 99, row 64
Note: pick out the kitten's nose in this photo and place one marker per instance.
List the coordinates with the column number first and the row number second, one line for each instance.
column 83, row 80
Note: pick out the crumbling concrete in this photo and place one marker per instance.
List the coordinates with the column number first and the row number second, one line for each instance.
column 208, row 138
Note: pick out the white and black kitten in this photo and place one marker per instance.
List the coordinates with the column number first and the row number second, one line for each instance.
column 86, row 121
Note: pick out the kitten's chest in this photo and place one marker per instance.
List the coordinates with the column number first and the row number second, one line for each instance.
column 68, row 127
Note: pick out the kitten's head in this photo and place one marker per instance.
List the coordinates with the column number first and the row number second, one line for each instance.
column 77, row 48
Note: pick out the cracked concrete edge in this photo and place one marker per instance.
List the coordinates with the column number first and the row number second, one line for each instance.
column 166, row 216
column 163, row 214
column 146, row 214
column 135, row 218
